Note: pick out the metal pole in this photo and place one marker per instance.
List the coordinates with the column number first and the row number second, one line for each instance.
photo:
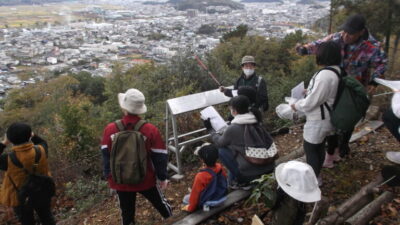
column 166, row 119
column 206, row 69
column 386, row 93
column 178, row 155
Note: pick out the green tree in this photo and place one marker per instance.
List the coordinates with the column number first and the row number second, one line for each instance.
column 206, row 29
column 239, row 32
column 92, row 86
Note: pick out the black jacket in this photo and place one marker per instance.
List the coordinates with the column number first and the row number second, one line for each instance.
column 260, row 86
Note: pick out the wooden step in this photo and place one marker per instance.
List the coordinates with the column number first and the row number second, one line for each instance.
column 200, row 215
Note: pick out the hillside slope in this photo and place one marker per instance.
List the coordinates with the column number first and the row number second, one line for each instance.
column 341, row 182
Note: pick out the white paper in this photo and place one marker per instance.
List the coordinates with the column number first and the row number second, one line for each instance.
column 298, row 91
column 393, row 84
column 217, row 122
column 234, row 93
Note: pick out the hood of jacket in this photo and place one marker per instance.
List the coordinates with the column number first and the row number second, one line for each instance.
column 247, row 118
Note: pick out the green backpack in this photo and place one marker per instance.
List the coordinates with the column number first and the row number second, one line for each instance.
column 128, row 158
column 351, row 102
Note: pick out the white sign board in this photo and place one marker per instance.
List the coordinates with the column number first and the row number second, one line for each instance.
column 196, row 101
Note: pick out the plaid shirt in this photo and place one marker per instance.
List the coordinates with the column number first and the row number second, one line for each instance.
column 364, row 60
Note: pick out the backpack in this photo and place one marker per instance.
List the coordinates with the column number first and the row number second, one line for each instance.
column 350, row 105
column 38, row 188
column 216, row 189
column 259, row 146
column 128, row 158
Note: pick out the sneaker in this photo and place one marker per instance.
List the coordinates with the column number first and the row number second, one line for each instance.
column 393, row 157
column 336, row 155
column 328, row 162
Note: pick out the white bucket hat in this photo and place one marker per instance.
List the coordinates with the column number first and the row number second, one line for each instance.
column 132, row 101
column 298, row 180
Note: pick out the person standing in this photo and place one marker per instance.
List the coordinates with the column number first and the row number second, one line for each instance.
column 249, row 77
column 362, row 58
column 26, row 146
column 320, row 96
column 132, row 105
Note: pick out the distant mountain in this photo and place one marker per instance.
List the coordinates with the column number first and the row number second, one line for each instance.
column 28, row 2
column 202, row 5
column 307, row 2
column 262, row 1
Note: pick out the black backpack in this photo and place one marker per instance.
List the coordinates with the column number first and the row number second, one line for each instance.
column 260, row 148
column 38, row 188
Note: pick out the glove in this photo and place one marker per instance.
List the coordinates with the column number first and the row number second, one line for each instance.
column 207, row 124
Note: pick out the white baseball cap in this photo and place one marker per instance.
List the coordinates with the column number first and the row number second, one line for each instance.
column 132, row 101
column 298, row 180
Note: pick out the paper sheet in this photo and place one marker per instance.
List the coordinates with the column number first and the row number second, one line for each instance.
column 298, row 91
column 393, row 84
column 217, row 122
column 234, row 93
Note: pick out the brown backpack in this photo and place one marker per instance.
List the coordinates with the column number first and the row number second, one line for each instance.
column 128, row 154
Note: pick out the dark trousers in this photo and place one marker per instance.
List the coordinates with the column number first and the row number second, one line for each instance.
column 227, row 158
column 332, row 143
column 392, row 123
column 25, row 213
column 127, row 201
column 339, row 140
column 344, row 140
column 315, row 155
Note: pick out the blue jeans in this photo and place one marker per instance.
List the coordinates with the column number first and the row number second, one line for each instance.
column 227, row 157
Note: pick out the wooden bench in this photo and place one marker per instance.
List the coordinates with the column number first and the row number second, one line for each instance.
column 200, row 215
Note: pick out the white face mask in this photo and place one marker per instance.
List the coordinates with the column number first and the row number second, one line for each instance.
column 248, row 72
column 232, row 113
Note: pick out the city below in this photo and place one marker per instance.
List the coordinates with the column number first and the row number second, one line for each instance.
column 134, row 32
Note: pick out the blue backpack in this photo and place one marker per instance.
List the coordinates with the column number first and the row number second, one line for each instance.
column 216, row 190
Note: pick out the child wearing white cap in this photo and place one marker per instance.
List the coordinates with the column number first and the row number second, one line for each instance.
column 297, row 185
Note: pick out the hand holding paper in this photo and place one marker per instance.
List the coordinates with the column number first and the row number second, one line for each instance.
column 298, row 91
column 207, row 124
column 217, row 122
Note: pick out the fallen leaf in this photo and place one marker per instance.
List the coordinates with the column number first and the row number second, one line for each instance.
column 393, row 210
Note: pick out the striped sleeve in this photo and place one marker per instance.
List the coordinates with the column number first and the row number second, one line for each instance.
column 159, row 155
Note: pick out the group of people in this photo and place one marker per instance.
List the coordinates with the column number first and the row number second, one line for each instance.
column 352, row 50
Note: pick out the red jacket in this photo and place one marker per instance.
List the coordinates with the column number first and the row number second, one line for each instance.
column 201, row 181
column 158, row 155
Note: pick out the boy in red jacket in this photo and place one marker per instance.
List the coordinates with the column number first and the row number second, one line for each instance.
column 210, row 184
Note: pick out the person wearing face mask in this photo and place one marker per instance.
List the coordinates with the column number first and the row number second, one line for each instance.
column 250, row 78
column 362, row 58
